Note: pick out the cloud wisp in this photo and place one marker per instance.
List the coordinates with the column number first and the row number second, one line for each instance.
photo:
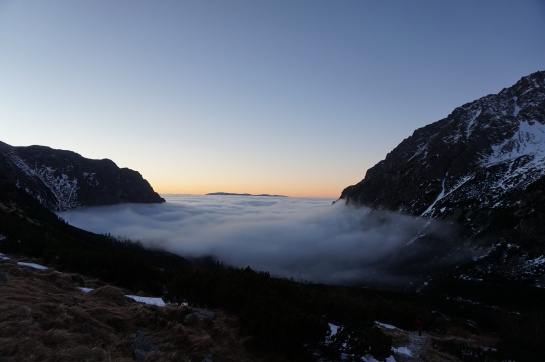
column 304, row 239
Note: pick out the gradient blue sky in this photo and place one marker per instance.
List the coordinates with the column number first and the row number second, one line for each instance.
column 288, row 97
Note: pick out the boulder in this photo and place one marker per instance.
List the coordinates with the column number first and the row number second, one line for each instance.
column 193, row 318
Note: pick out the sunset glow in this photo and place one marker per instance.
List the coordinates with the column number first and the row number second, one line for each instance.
column 279, row 97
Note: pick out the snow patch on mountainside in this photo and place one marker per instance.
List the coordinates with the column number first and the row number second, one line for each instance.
column 64, row 188
column 513, row 163
column 439, row 197
column 471, row 122
column 20, row 164
column 445, row 194
column 90, row 178
column 527, row 141
column 522, row 156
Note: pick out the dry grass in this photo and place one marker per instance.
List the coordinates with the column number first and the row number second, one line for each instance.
column 44, row 317
column 427, row 349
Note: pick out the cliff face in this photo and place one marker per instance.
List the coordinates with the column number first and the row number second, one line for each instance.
column 482, row 167
column 475, row 158
column 63, row 180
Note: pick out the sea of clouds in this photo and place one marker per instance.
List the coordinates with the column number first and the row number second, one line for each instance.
column 301, row 238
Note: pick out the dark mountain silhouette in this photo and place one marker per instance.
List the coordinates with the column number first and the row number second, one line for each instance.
column 63, row 180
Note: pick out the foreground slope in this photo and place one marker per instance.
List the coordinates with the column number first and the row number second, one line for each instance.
column 63, row 180
column 46, row 317
column 482, row 167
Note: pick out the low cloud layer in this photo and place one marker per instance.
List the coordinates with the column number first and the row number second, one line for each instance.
column 306, row 239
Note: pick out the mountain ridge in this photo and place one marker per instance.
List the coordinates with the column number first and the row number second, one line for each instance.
column 63, row 180
column 449, row 153
column 481, row 167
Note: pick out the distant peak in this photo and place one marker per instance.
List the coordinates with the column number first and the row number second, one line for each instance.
column 237, row 194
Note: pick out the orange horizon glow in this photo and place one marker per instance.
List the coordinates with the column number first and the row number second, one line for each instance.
column 201, row 191
column 330, row 188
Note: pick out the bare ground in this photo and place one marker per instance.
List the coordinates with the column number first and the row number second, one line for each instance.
column 409, row 346
column 45, row 317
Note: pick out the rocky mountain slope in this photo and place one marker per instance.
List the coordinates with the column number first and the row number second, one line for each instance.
column 482, row 167
column 63, row 180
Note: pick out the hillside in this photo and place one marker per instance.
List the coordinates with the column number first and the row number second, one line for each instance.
column 481, row 168
column 47, row 316
column 472, row 160
column 63, row 180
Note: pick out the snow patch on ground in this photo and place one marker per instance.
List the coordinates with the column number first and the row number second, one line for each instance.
column 371, row 359
column 146, row 300
column 32, row 265
column 3, row 257
column 333, row 328
column 402, row 350
column 368, row 358
column 407, row 349
column 386, row 326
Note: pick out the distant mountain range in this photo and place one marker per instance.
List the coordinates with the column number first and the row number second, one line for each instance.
column 235, row 194
column 483, row 168
column 62, row 180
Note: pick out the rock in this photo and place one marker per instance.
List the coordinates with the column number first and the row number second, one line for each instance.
column 208, row 358
column 142, row 346
column 4, row 277
column 192, row 318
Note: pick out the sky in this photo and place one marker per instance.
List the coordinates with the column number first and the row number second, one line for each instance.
column 287, row 97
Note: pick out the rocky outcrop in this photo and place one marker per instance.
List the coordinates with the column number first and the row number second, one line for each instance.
column 482, row 167
column 142, row 346
column 475, row 158
column 63, row 180
column 193, row 318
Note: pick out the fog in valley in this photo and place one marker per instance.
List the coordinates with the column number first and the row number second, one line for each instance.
column 301, row 238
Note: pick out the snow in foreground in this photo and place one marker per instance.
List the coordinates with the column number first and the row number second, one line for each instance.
column 32, row 265
column 397, row 350
column 146, row 300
